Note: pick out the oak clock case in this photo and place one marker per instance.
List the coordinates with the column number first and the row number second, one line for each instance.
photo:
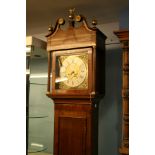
column 76, row 83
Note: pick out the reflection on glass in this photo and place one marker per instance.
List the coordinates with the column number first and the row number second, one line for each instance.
column 36, row 147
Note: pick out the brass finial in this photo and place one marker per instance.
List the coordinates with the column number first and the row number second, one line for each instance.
column 71, row 17
column 94, row 22
column 78, row 18
column 50, row 28
column 71, row 13
column 61, row 21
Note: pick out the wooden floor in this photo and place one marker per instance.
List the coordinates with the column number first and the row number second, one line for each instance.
column 39, row 153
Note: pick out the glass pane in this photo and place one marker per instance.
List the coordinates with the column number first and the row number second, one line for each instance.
column 72, row 71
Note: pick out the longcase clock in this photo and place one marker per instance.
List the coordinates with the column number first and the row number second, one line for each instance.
column 76, row 83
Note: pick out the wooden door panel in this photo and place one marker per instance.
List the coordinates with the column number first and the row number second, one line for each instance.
column 72, row 132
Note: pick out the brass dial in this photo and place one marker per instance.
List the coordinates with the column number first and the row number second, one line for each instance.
column 74, row 70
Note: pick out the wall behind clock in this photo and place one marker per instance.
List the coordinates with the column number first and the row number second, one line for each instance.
column 110, row 105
